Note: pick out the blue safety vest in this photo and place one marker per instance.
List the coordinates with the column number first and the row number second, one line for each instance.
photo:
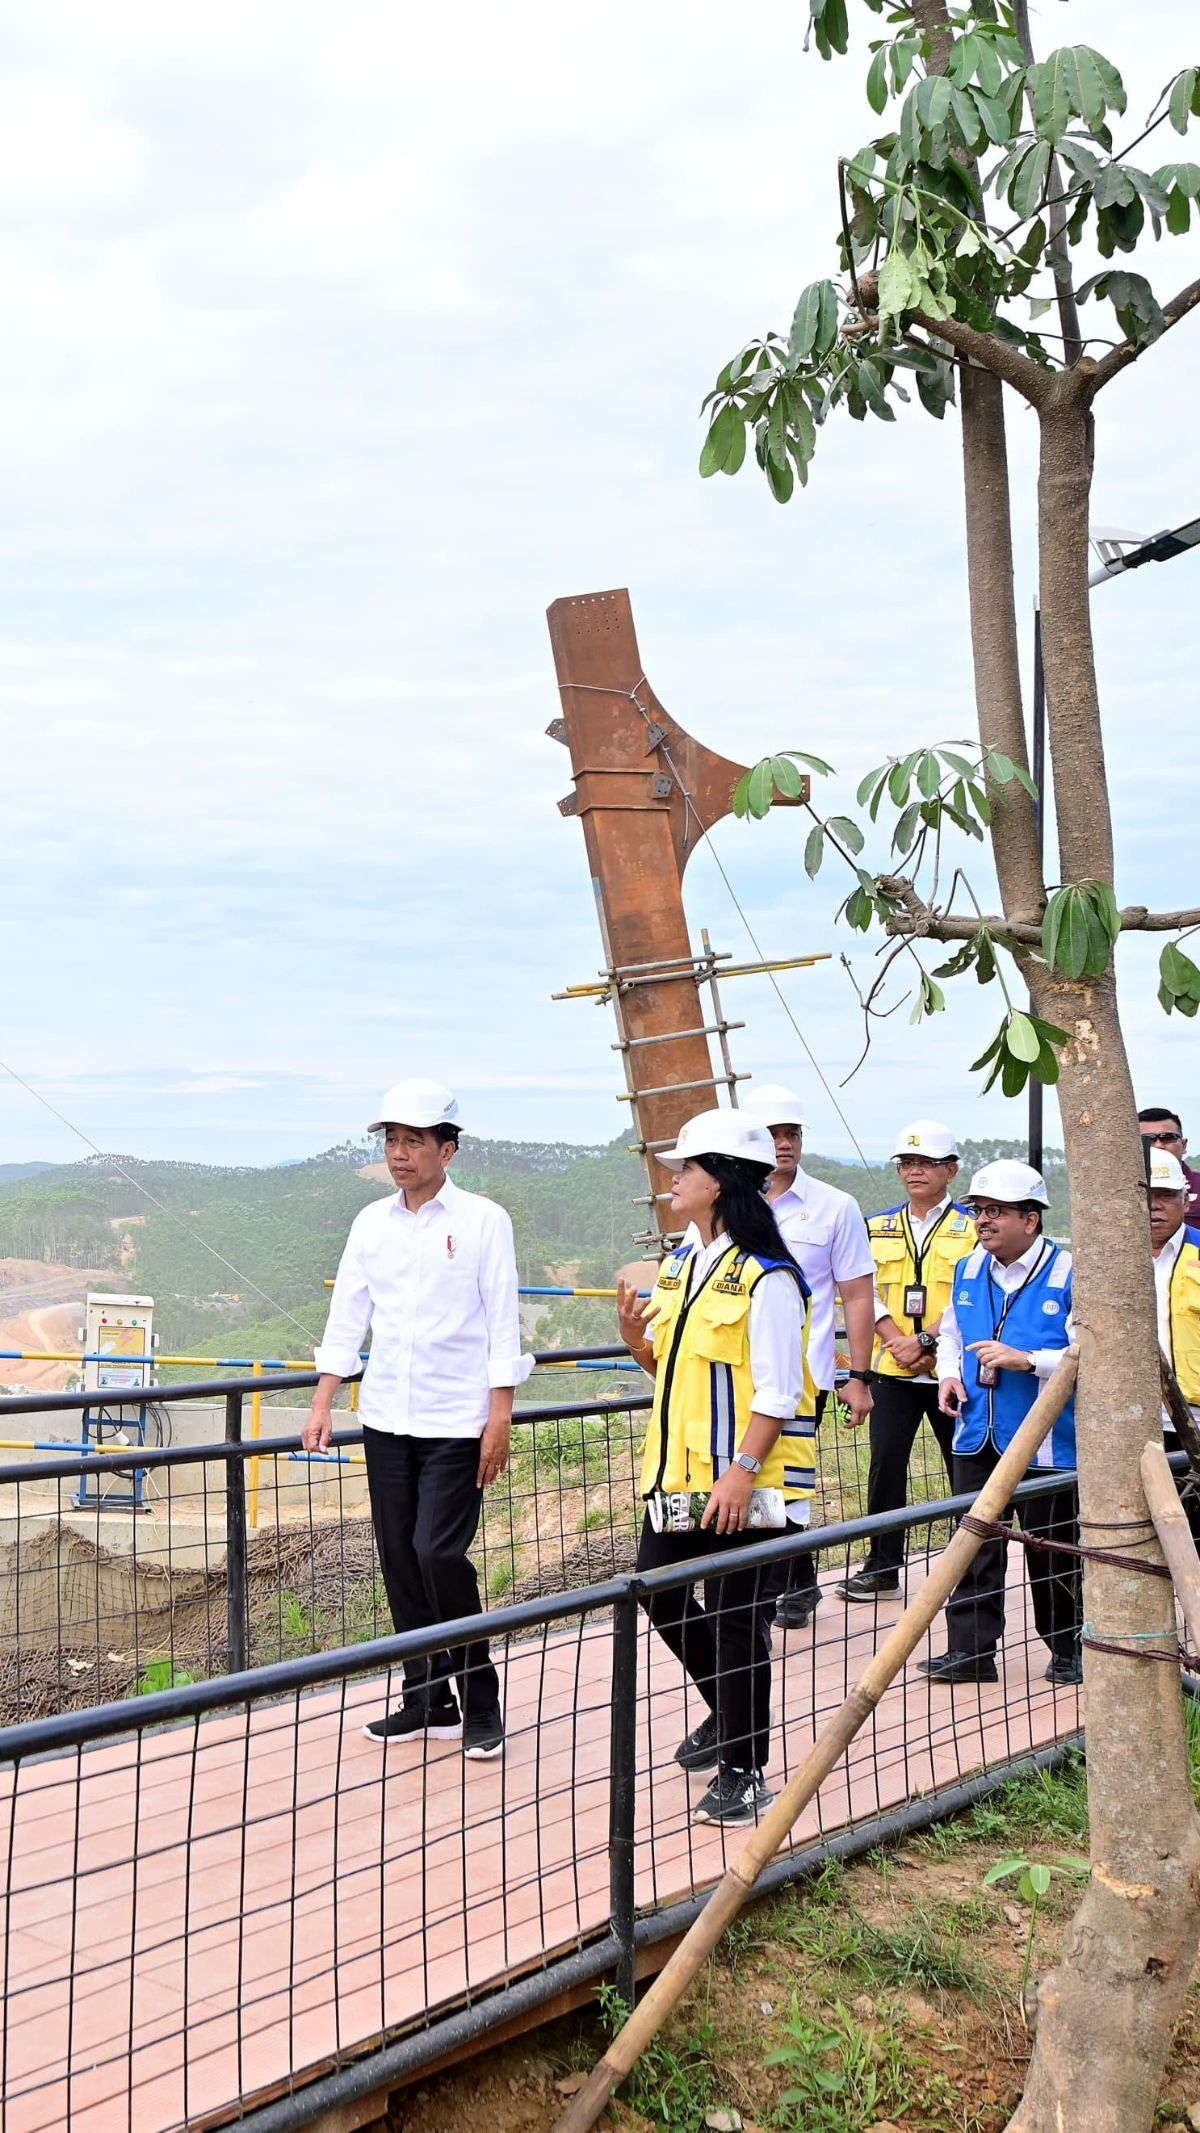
column 1033, row 1316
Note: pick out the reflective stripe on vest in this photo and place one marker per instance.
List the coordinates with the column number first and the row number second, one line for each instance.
column 1183, row 1296
column 704, row 1386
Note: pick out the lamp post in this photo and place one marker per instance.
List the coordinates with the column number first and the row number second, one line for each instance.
column 1118, row 552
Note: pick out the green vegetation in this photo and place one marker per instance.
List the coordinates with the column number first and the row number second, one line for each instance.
column 166, row 1229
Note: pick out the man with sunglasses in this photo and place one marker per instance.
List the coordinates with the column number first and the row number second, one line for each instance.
column 1007, row 1326
column 1164, row 1129
column 916, row 1247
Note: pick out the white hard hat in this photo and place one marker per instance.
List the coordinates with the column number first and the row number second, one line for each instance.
column 1166, row 1172
column 1009, row 1182
column 416, row 1103
column 926, row 1136
column 722, row 1133
column 773, row 1105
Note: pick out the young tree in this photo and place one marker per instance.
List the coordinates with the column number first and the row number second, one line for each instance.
column 958, row 229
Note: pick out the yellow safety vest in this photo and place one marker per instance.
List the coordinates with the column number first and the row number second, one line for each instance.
column 704, row 1388
column 1183, row 1296
column 898, row 1265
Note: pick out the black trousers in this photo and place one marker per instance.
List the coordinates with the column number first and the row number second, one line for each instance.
column 800, row 1575
column 425, row 1511
column 975, row 1613
column 724, row 1645
column 901, row 1405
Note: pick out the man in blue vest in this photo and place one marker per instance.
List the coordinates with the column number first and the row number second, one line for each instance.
column 1005, row 1328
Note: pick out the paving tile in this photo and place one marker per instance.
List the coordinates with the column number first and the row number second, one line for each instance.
column 218, row 1906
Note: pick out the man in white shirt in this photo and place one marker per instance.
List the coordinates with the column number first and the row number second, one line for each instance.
column 433, row 1273
column 825, row 1231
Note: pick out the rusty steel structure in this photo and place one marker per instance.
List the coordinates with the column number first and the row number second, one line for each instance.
column 645, row 792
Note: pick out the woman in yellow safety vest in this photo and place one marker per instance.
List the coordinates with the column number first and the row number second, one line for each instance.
column 723, row 1338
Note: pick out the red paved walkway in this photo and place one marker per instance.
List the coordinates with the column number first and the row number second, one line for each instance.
column 194, row 1915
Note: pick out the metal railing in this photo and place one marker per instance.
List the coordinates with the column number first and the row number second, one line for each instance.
column 245, row 1550
column 220, row 1898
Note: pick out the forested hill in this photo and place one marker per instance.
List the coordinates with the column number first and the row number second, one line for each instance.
column 227, row 1253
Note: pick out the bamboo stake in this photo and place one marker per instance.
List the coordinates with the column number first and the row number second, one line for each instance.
column 760, row 1848
column 1174, row 1533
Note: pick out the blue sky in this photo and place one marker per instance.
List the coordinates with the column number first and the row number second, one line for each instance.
column 339, row 345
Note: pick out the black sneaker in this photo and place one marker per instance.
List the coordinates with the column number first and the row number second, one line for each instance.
column 952, row 1668
column 735, row 1796
column 1066, row 1673
column 483, row 1738
column 416, row 1721
column 699, row 1750
column 869, row 1585
column 795, row 1610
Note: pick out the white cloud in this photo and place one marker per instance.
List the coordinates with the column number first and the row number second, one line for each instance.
column 344, row 347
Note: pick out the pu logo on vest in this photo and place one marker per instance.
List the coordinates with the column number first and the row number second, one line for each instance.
column 1050, row 1308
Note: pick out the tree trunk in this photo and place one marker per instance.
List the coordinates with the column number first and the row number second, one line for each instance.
column 1106, row 2014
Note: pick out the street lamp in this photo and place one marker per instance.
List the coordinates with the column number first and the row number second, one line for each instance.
column 1118, row 552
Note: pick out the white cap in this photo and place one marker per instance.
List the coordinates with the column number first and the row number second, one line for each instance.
column 1166, row 1172
column 926, row 1136
column 773, row 1105
column 416, row 1103
column 1009, row 1182
column 722, row 1133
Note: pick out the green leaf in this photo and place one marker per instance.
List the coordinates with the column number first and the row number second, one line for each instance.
column 812, row 762
column 901, row 777
column 877, row 88
column 805, row 322
column 814, row 851
column 897, row 285
column 1004, row 1871
column 760, row 789
column 906, row 829
column 869, row 784
column 780, row 479
column 933, row 98
column 1183, row 94
column 1029, row 182
column 720, row 440
column 992, row 1051
column 1055, row 94
column 928, row 775
column 847, row 832
column 741, row 792
column 1039, row 1876
column 789, row 780
column 1021, row 1038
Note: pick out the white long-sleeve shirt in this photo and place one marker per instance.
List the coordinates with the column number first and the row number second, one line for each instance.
column 825, row 1232
column 437, row 1285
column 1008, row 1278
column 776, row 1332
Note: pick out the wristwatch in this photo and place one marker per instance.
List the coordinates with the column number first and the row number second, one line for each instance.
column 748, row 1460
column 928, row 1342
column 863, row 1376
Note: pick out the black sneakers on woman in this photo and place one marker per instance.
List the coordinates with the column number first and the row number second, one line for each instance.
column 735, row 1796
column 416, row 1721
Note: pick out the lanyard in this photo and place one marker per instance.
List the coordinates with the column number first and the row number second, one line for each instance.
column 916, row 1250
column 1011, row 1295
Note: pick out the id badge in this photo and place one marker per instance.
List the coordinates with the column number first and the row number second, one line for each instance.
column 916, row 1300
